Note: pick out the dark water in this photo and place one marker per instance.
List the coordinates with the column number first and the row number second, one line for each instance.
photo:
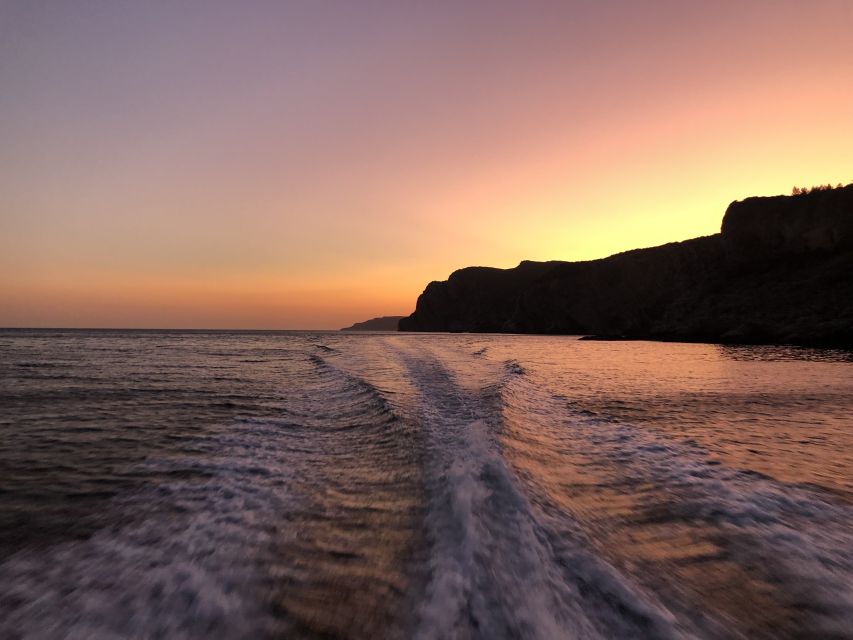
column 249, row 485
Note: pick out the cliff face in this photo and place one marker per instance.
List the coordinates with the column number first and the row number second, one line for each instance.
column 781, row 270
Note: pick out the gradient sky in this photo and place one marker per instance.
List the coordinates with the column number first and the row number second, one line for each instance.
column 264, row 164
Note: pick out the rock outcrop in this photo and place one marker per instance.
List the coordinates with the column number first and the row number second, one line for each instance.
column 384, row 323
column 780, row 271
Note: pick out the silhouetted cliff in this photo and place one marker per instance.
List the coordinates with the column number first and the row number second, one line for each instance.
column 385, row 323
column 781, row 271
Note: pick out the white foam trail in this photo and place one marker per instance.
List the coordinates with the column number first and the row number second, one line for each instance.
column 493, row 570
column 180, row 572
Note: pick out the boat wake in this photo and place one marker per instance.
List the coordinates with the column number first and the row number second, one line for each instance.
column 429, row 487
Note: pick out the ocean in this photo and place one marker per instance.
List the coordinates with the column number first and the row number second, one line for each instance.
column 332, row 485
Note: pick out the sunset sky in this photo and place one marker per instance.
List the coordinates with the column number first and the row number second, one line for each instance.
column 265, row 164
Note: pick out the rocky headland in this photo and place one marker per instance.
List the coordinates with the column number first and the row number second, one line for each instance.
column 383, row 323
column 780, row 271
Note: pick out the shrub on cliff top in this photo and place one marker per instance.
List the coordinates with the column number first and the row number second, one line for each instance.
column 801, row 191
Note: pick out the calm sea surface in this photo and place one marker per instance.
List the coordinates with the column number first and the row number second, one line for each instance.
column 250, row 485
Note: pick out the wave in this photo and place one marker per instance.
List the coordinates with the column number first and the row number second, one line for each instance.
column 246, row 530
column 173, row 562
column 514, row 367
column 791, row 537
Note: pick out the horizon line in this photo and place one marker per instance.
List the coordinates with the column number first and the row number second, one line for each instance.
column 154, row 329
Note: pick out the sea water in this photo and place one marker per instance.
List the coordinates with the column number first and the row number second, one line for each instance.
column 281, row 484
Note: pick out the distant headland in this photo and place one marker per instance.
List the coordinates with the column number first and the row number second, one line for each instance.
column 780, row 271
column 383, row 323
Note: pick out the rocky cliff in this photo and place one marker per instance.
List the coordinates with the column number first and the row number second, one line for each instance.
column 780, row 271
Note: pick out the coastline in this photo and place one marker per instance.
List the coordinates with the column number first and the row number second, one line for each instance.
column 777, row 273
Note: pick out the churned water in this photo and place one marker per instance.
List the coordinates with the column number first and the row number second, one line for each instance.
column 249, row 485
